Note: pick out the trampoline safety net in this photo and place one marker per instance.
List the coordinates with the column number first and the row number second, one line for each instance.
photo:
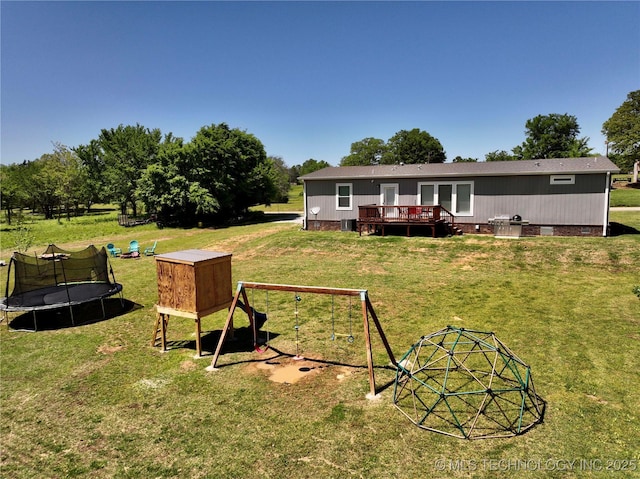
column 56, row 267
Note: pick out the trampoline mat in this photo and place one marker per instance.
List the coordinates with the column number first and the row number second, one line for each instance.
column 56, row 296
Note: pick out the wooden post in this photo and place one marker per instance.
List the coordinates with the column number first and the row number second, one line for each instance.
column 367, row 339
column 227, row 325
column 198, row 337
column 164, row 322
column 381, row 333
column 160, row 328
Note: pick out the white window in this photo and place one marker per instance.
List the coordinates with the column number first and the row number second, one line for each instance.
column 344, row 196
column 455, row 196
column 563, row 179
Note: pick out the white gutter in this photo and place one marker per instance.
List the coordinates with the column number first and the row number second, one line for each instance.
column 607, row 194
column 304, row 199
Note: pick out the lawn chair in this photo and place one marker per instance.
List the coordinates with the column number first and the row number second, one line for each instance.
column 150, row 251
column 134, row 247
column 113, row 251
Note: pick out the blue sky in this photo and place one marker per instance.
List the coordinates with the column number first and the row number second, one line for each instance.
column 310, row 78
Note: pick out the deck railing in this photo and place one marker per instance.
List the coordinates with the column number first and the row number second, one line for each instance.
column 374, row 214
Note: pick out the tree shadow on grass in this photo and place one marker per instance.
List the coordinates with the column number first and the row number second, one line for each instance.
column 269, row 217
column 253, row 217
column 83, row 314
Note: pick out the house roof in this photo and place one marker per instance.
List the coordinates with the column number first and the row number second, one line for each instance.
column 554, row 166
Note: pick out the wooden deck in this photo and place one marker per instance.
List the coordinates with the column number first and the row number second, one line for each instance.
column 374, row 218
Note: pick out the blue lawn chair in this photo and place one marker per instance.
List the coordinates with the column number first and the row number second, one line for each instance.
column 113, row 251
column 134, row 247
column 150, row 251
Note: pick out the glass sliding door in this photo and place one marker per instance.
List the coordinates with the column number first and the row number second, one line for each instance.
column 445, row 195
column 455, row 196
column 427, row 195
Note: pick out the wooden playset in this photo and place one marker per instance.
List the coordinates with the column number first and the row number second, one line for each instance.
column 196, row 283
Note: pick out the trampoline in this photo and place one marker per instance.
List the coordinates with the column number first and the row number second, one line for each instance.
column 58, row 279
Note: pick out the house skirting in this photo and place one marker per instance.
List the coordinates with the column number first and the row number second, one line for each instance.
column 536, row 230
column 468, row 228
column 323, row 225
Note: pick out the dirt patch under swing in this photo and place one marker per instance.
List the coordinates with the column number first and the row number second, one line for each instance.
column 291, row 370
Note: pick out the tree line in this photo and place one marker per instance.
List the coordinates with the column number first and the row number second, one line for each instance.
column 218, row 175
column 213, row 178
column 546, row 136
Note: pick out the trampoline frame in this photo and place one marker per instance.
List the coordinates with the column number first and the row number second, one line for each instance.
column 59, row 296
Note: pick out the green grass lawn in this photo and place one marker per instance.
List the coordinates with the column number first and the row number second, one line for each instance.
column 625, row 197
column 295, row 202
column 98, row 401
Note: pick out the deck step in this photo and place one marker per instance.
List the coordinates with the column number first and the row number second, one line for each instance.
column 454, row 230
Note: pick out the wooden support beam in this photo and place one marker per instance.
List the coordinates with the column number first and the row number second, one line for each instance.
column 301, row 289
column 367, row 339
column 374, row 316
column 228, row 325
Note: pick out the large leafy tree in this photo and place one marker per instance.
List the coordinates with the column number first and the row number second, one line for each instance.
column 368, row 151
column 172, row 187
column 215, row 177
column 500, row 155
column 232, row 165
column 14, row 189
column 623, row 132
column 459, row 159
column 311, row 165
column 94, row 187
column 54, row 182
column 125, row 152
column 413, row 147
column 44, row 177
column 71, row 178
column 279, row 175
column 552, row 136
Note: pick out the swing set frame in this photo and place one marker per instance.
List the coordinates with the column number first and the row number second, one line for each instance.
column 367, row 311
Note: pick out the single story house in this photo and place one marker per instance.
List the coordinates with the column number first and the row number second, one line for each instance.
column 564, row 196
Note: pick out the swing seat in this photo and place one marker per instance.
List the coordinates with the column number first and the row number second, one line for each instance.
column 260, row 349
